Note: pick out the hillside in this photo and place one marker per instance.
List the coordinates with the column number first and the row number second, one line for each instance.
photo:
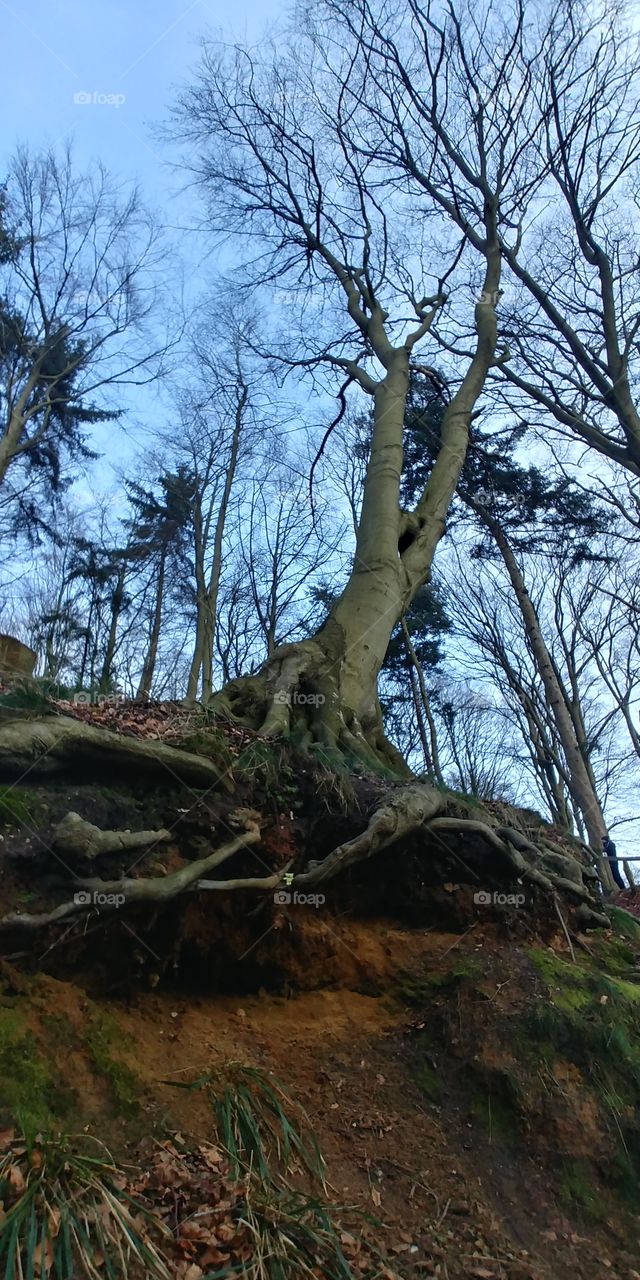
column 469, row 1068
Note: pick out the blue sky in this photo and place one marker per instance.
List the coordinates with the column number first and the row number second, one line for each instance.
column 135, row 53
column 104, row 75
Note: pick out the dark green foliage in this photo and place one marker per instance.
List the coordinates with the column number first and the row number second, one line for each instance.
column 57, row 407
column 161, row 520
column 530, row 508
column 427, row 622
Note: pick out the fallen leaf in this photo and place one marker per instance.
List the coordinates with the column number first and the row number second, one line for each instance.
column 15, row 1178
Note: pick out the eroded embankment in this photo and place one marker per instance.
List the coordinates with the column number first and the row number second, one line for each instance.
column 477, row 1094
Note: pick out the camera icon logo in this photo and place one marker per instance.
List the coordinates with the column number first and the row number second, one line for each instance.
column 281, row 897
column 83, row 898
column 482, row 898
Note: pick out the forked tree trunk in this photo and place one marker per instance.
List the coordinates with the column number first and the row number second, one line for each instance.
column 326, row 688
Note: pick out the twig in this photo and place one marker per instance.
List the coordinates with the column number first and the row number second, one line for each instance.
column 564, row 927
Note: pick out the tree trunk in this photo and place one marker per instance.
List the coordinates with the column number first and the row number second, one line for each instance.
column 216, row 564
column 149, row 666
column 116, row 609
column 423, row 709
column 329, row 685
column 580, row 783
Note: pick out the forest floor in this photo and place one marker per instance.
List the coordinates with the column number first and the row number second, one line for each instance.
column 470, row 1072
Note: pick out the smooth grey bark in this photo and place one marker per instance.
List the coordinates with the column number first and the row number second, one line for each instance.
column 580, row 780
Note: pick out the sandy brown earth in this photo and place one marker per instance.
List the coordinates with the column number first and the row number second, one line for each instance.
column 452, row 1199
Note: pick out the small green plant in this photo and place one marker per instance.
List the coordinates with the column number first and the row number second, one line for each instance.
column 267, row 765
column 67, row 1214
column 253, row 1123
column 14, row 810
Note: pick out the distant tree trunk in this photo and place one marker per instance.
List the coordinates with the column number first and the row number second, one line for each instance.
column 580, row 782
column 149, row 666
column 117, row 601
column 423, row 708
column 216, row 564
column 201, row 596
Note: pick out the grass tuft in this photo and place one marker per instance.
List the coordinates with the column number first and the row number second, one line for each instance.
column 67, row 1215
column 254, row 1123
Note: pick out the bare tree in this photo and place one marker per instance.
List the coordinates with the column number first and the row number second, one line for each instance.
column 575, row 345
column 280, row 153
column 79, row 287
column 569, row 314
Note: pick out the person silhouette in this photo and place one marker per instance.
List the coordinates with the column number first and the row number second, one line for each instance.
column 610, row 852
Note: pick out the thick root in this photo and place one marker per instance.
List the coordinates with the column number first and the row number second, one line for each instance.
column 403, row 813
column 51, row 745
column 420, row 807
column 113, row 894
column 75, row 838
column 297, row 695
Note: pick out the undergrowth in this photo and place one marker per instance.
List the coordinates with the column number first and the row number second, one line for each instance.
column 66, row 1214
column 254, row 1123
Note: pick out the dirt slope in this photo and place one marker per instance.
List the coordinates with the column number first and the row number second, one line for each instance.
column 424, row 1110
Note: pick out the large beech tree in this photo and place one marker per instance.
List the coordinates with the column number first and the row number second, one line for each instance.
column 284, row 149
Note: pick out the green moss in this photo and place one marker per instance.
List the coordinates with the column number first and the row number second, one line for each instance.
column 417, row 988
column 624, row 923
column 577, row 1188
column 428, row 1080
column 554, row 968
column 623, row 990
column 101, row 1035
column 31, row 1092
column 15, row 807
column 591, row 1019
column 612, row 955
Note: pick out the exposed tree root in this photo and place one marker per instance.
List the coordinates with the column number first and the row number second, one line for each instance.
column 404, row 811
column 154, row 889
column 52, row 744
column 75, row 838
column 297, row 696
column 163, row 888
column 420, row 806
